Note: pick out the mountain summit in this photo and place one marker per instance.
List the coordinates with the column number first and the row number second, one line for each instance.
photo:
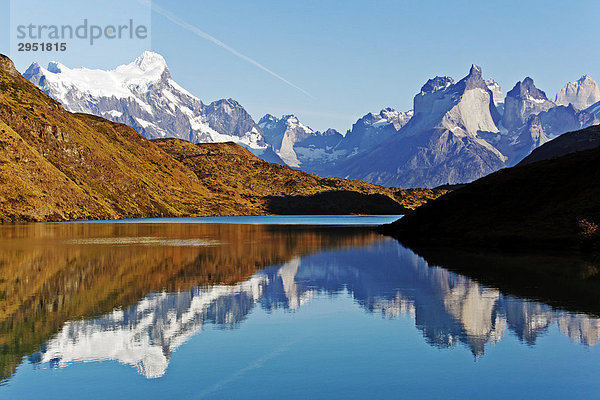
column 523, row 100
column 581, row 94
column 150, row 60
column 143, row 95
column 443, row 142
column 297, row 144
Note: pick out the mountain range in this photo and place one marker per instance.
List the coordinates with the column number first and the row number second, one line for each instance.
column 57, row 165
column 457, row 131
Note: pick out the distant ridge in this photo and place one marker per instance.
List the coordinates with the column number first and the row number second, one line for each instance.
column 58, row 166
column 457, row 131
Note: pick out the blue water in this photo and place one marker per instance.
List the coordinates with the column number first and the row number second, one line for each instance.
column 371, row 220
column 357, row 317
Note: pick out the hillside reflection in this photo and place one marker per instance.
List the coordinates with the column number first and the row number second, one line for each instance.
column 53, row 273
column 152, row 287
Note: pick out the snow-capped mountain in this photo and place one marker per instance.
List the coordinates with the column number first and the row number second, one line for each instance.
column 462, row 131
column 535, row 120
column 496, row 90
column 373, row 129
column 143, row 94
column 581, row 93
column 456, row 132
column 297, row 144
column 317, row 152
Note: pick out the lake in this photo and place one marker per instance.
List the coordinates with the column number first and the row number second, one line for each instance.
column 282, row 307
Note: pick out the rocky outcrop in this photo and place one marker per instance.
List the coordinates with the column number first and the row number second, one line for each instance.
column 522, row 101
column 444, row 141
column 581, row 93
column 297, row 144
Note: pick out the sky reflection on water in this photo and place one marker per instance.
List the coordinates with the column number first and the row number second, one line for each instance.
column 336, row 316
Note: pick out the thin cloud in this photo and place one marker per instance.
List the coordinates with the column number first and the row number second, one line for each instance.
column 255, row 365
column 185, row 25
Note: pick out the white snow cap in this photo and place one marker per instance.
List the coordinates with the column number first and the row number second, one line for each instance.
column 150, row 60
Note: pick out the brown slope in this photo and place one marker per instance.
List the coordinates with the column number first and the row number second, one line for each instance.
column 551, row 203
column 265, row 187
column 72, row 166
column 33, row 188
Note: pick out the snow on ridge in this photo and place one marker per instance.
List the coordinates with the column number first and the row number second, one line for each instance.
column 118, row 82
column 144, row 91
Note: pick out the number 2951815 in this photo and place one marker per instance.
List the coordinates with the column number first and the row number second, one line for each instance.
column 42, row 46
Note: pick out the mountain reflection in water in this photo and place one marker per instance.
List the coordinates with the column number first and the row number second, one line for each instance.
column 95, row 292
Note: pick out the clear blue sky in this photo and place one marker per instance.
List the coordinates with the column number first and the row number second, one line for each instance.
column 357, row 56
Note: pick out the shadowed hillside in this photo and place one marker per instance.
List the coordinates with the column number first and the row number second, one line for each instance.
column 570, row 142
column 550, row 203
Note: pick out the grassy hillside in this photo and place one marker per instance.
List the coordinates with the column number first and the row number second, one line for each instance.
column 263, row 187
column 56, row 165
column 552, row 203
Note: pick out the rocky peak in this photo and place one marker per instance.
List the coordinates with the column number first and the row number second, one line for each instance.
column 149, row 60
column 284, row 134
column 268, row 121
column 7, row 65
column 437, row 83
column 582, row 93
column 526, row 89
column 473, row 80
column 331, row 132
column 228, row 117
column 522, row 101
column 475, row 70
column 225, row 105
column 369, row 118
column 496, row 90
column 55, row 67
column 33, row 73
column 290, row 119
column 465, row 107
